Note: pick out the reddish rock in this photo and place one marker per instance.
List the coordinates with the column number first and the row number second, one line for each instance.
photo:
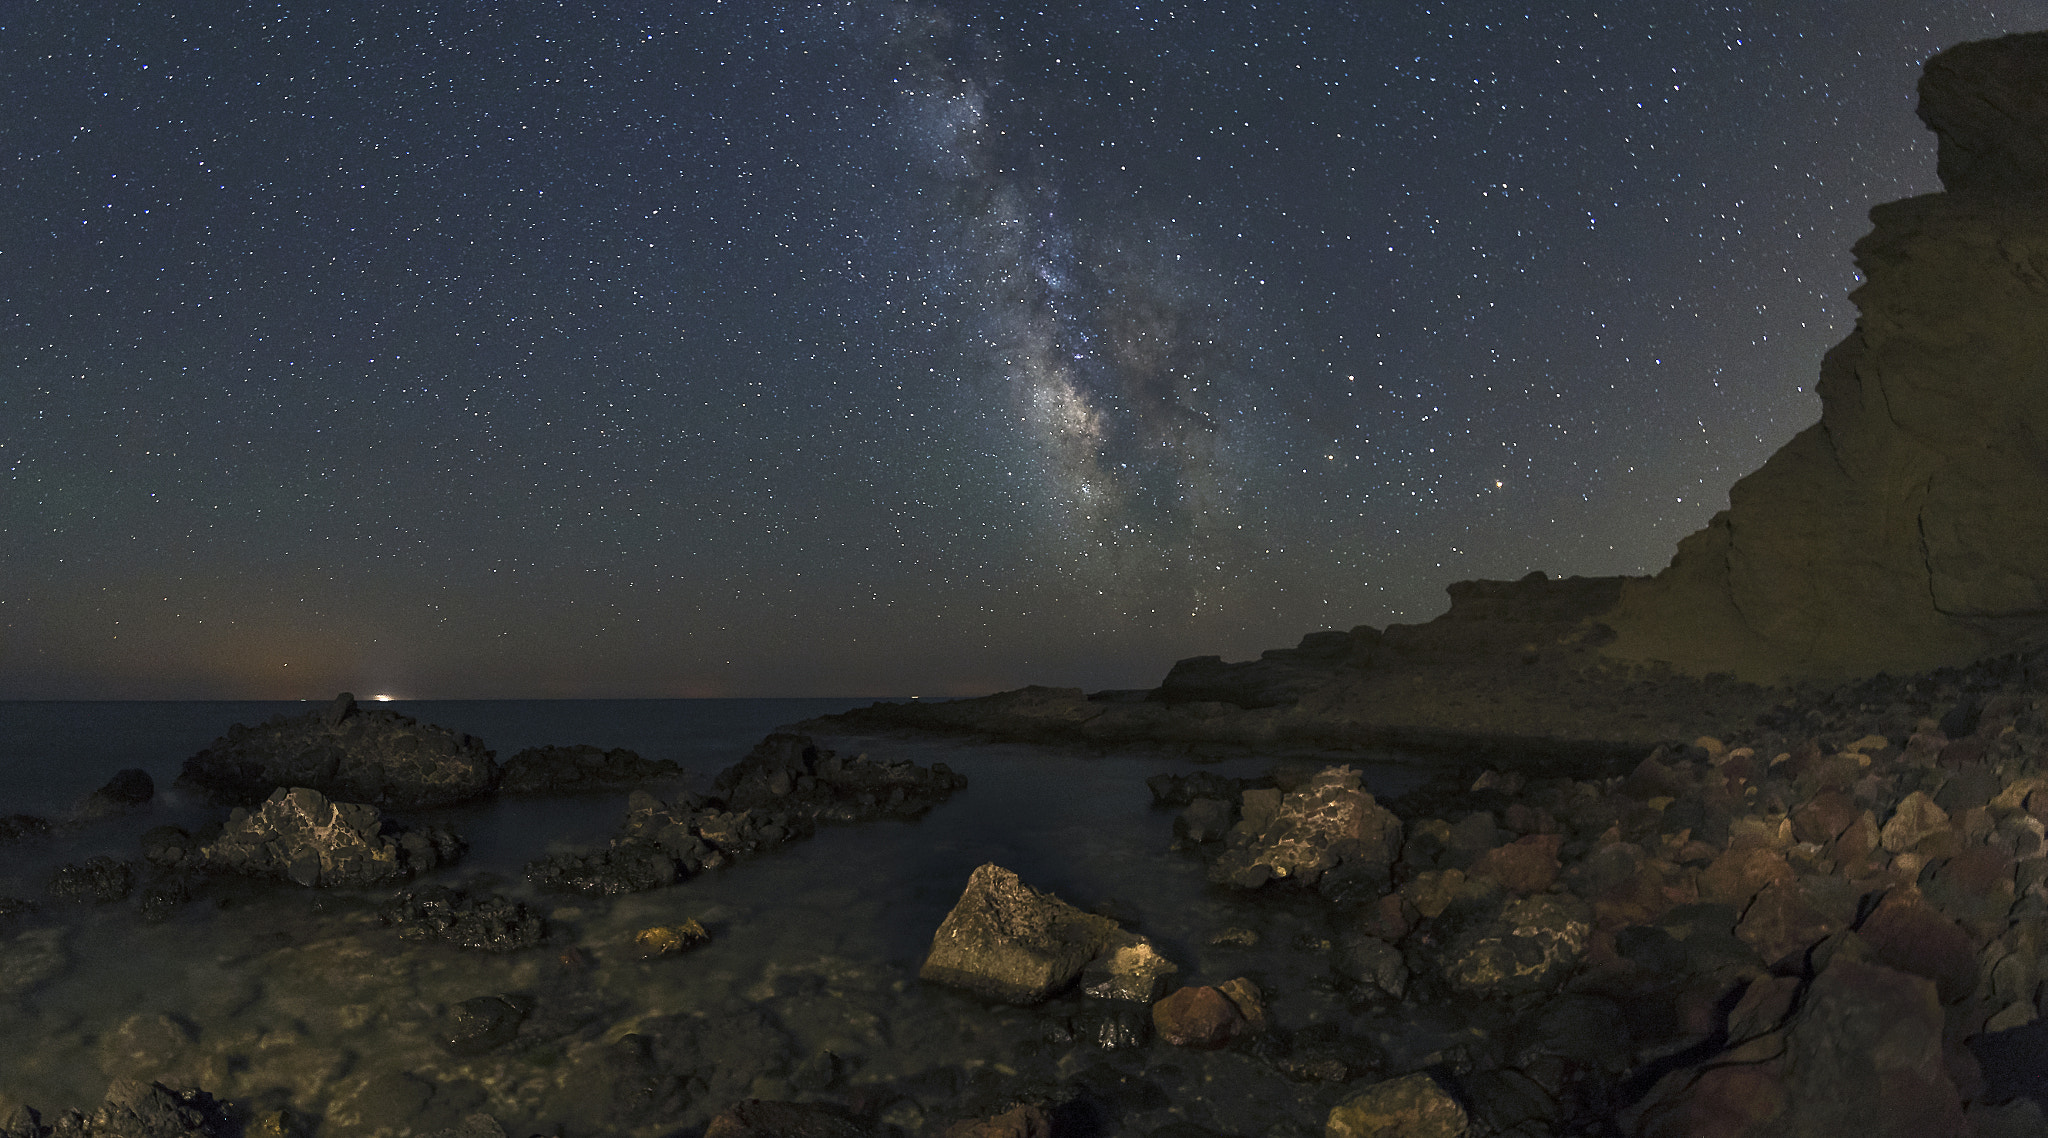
column 1024, row 1121
column 1197, row 1017
column 1739, row 875
column 1824, row 817
column 1785, row 920
column 1526, row 865
column 1390, row 918
column 1912, row 937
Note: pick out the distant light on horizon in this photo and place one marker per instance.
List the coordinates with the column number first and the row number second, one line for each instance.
column 384, row 698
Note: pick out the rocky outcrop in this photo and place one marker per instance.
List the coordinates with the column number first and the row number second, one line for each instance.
column 780, row 792
column 570, row 770
column 131, row 1110
column 487, row 923
column 297, row 835
column 1909, row 527
column 127, row 791
column 349, row 752
column 1006, row 941
column 1304, row 833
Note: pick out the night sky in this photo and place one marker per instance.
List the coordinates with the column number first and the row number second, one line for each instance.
column 557, row 350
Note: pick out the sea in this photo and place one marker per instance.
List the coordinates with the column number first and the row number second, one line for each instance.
column 307, row 1010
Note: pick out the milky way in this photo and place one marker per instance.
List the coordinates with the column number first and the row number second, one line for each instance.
column 879, row 348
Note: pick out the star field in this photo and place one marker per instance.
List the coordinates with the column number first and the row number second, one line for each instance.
column 857, row 348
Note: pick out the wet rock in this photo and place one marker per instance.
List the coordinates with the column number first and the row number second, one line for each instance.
column 1412, row 1106
column 488, row 923
column 1113, row 1025
column 1531, row 946
column 1858, row 1052
column 126, row 791
column 1366, row 959
column 170, row 846
column 31, row 957
column 1007, row 941
column 132, row 1109
column 568, row 770
column 1183, row 789
column 1234, row 937
column 624, row 868
column 1128, row 968
column 483, row 1024
column 669, row 940
column 790, row 774
column 757, row 1119
column 297, row 835
column 1249, row 1001
column 349, row 753
column 1302, row 834
column 1205, row 820
column 95, row 881
column 1199, row 1017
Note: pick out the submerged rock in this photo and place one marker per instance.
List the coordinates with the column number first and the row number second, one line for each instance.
column 484, row 1023
column 352, row 753
column 562, row 770
column 489, row 923
column 1009, row 942
column 98, row 880
column 298, row 835
column 668, row 940
column 755, row 1118
column 126, row 791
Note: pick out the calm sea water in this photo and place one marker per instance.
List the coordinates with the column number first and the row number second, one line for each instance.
column 853, row 909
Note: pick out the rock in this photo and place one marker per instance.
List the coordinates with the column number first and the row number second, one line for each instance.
column 1205, row 820
column 1913, row 938
column 1412, row 1106
column 1909, row 528
column 1367, row 959
column 1526, row 865
column 30, row 958
column 1023, row 1121
column 1914, row 820
column 1788, row 917
column 1113, row 1025
column 123, row 793
column 1301, row 835
column 488, row 923
column 350, row 753
column 565, row 770
column 483, row 1024
column 1530, row 946
column 133, row 1109
column 1200, row 1017
column 1006, row 941
column 790, row 774
column 299, row 836
column 96, row 880
column 668, row 940
column 1128, row 968
column 757, row 1119
column 1249, row 1001
column 1858, row 1052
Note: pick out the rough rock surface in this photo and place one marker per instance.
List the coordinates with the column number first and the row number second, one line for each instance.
column 131, row 1110
column 298, row 835
column 352, row 753
column 1909, row 527
column 488, row 923
column 564, row 770
column 780, row 792
column 1302, row 834
column 1007, row 941
column 1412, row 1106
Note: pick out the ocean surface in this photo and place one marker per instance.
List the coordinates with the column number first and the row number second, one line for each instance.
column 308, row 1005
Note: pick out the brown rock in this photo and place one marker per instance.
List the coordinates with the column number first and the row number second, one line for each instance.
column 1249, row 1001
column 1197, row 1017
column 667, row 940
column 1738, row 875
column 1915, row 819
column 1526, row 865
column 1785, row 920
column 1912, row 937
column 1824, row 816
column 1412, row 1106
column 1390, row 919
column 1023, row 1121
column 1009, row 942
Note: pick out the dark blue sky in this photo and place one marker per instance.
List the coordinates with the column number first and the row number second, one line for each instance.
column 576, row 350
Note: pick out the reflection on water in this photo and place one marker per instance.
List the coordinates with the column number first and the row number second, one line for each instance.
column 285, row 998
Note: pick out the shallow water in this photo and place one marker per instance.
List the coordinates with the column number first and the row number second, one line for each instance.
column 286, row 998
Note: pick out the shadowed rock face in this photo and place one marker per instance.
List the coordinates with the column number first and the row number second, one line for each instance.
column 352, row 753
column 1908, row 529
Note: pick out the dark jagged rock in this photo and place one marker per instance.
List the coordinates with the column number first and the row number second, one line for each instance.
column 126, row 791
column 17, row 827
column 564, row 770
column 298, row 835
column 98, row 880
column 780, row 792
column 132, row 1109
column 351, row 753
column 484, row 1023
column 489, row 923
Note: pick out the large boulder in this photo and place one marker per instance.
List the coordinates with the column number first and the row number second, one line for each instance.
column 298, row 835
column 1303, row 834
column 1532, row 945
column 1858, row 1051
column 1908, row 528
column 352, row 753
column 1007, row 941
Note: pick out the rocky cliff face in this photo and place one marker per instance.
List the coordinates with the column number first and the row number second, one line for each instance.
column 1908, row 529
